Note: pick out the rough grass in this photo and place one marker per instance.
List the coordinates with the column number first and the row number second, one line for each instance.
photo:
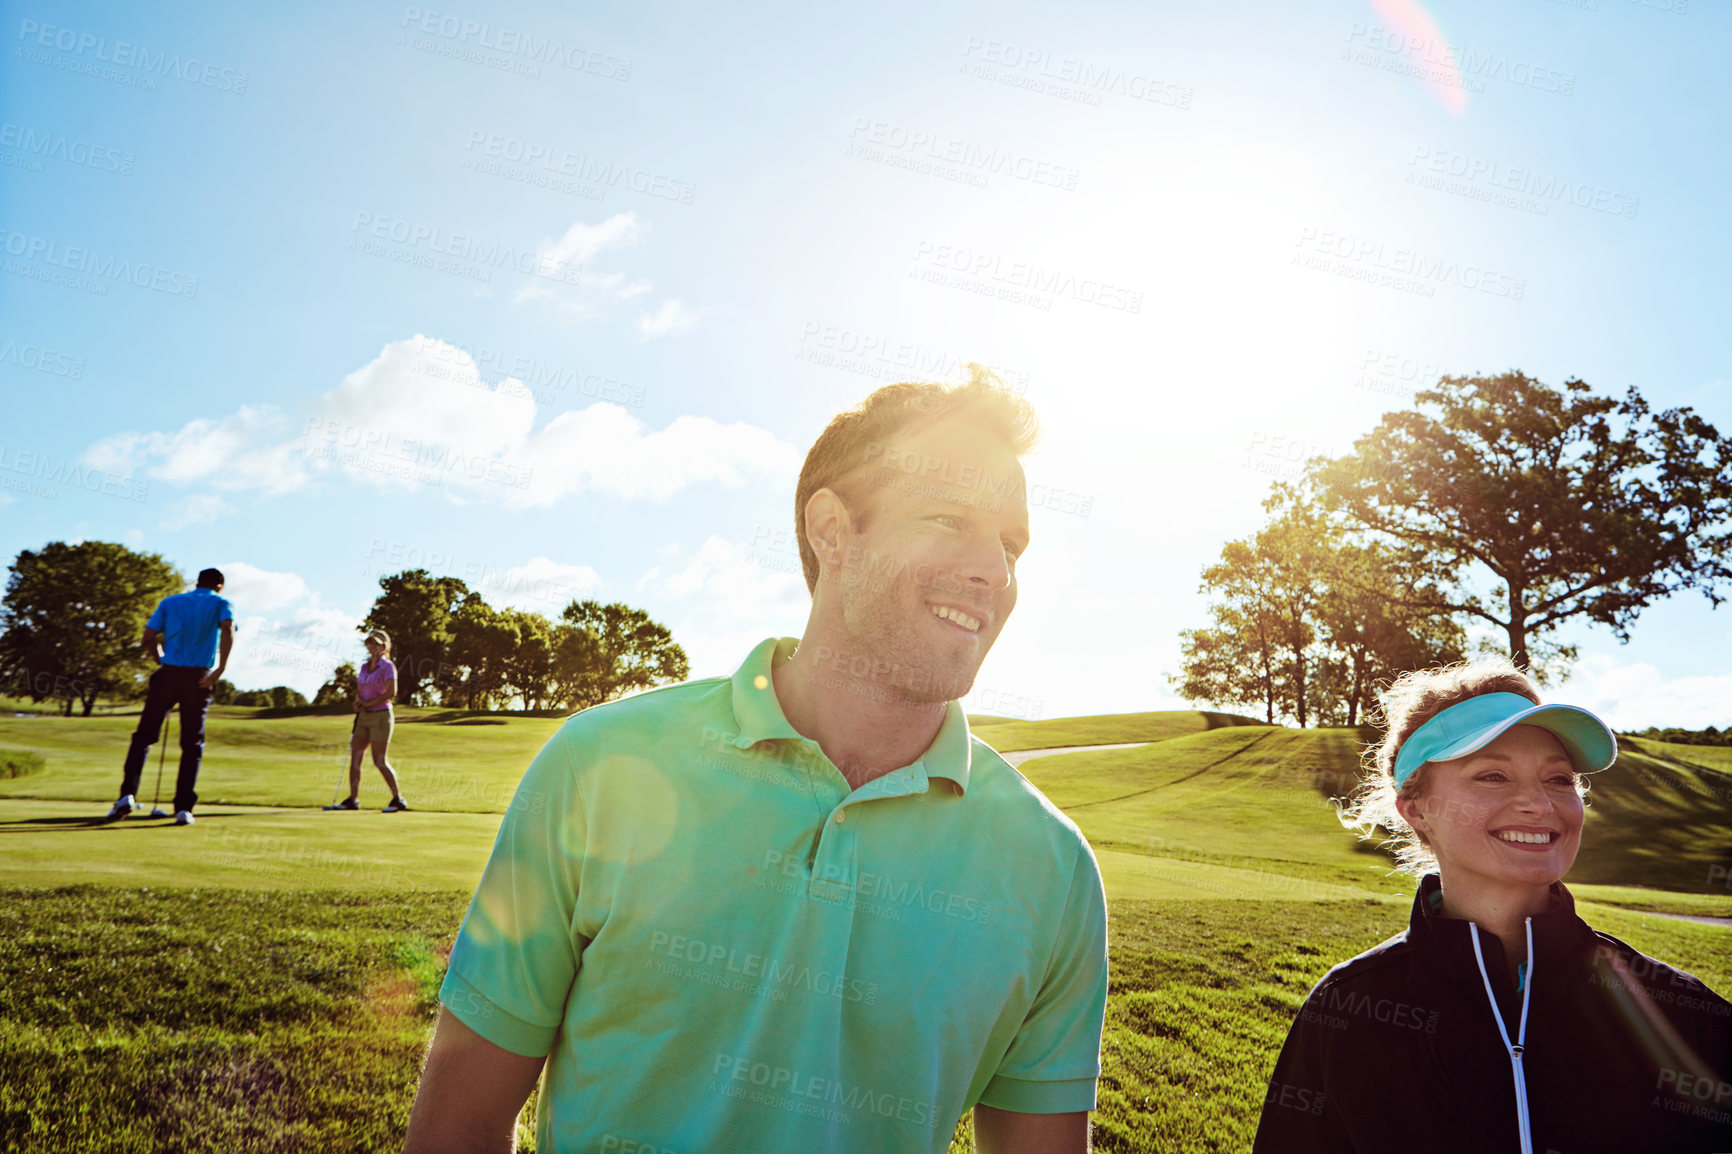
column 20, row 763
column 254, row 1015
column 212, row 1021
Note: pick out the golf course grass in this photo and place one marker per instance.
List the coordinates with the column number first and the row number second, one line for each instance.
column 264, row 979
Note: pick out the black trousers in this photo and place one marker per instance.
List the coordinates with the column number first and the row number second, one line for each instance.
column 171, row 685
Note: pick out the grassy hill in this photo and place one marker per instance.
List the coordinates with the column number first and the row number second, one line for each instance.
column 1259, row 797
column 1010, row 734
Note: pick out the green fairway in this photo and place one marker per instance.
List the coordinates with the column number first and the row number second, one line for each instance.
column 448, row 761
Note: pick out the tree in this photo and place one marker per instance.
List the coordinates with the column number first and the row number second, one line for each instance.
column 282, row 697
column 1234, row 663
column 224, row 693
column 477, row 657
column 1309, row 619
column 1372, row 635
column 415, row 610
column 72, row 616
column 529, row 667
column 1530, row 506
column 276, row 697
column 341, row 689
column 602, row 651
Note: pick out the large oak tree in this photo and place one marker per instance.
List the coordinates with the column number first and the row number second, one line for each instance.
column 1531, row 506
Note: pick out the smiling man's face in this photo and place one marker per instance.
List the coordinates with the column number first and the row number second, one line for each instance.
column 927, row 571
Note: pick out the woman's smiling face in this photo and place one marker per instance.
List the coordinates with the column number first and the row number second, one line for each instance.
column 1506, row 816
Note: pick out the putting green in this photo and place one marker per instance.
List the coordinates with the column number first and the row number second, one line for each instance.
column 244, row 847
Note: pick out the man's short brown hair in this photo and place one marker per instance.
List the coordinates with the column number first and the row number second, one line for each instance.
column 852, row 437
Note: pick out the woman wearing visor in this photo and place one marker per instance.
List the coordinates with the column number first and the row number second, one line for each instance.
column 1498, row 1021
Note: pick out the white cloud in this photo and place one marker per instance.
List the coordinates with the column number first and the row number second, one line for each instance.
column 1633, row 697
column 230, row 453
column 416, row 394
column 419, row 416
column 285, row 634
column 727, row 598
column 299, row 648
column 543, row 585
column 583, row 242
column 605, row 449
column 564, row 272
column 261, row 589
column 196, row 510
column 672, row 317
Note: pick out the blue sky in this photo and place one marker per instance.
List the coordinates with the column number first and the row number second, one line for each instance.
column 555, row 302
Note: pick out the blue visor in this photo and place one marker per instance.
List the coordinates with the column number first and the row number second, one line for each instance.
column 1475, row 723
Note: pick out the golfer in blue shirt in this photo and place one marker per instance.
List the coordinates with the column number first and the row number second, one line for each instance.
column 182, row 636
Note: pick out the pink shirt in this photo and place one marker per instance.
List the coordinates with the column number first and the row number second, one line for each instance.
column 372, row 685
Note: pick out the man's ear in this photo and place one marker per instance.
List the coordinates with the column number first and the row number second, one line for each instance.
column 827, row 522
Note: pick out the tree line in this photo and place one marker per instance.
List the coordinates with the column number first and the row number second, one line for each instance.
column 1498, row 504
column 72, row 614
column 452, row 648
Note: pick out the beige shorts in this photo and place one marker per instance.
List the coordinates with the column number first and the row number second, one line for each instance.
column 374, row 726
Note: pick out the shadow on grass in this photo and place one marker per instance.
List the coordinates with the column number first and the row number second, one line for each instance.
column 65, row 824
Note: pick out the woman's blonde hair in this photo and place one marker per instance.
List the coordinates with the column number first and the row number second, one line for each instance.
column 1414, row 699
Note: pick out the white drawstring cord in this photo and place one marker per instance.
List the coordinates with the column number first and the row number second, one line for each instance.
column 1515, row 1051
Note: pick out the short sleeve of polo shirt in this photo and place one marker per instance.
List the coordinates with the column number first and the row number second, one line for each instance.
column 1054, row 1062
column 157, row 616
column 517, row 954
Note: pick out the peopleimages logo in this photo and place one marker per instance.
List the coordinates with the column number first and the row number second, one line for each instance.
column 798, row 1087
column 923, row 150
column 579, row 166
column 58, row 146
column 71, row 474
column 1371, row 260
column 88, row 262
column 41, row 359
column 135, row 57
column 515, row 42
column 430, row 242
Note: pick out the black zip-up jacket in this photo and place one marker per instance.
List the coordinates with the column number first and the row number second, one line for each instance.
column 1398, row 1049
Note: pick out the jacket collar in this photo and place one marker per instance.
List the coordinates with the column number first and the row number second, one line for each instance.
column 1562, row 940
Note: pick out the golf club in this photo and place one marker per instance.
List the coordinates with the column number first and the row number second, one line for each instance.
column 343, row 762
column 156, row 809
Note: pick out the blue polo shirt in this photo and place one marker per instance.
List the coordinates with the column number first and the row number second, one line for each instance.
column 720, row 946
column 189, row 624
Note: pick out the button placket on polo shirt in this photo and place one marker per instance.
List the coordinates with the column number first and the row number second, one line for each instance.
column 835, row 865
column 833, row 849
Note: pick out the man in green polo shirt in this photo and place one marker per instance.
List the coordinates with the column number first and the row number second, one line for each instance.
column 799, row 908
